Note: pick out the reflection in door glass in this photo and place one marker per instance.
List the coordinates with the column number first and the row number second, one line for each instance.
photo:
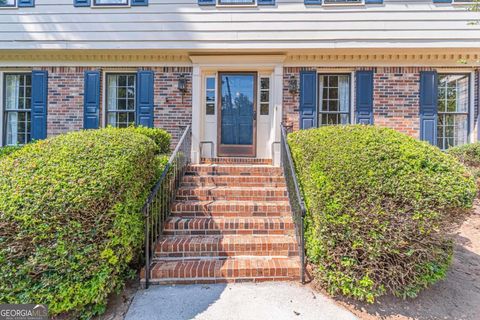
column 238, row 94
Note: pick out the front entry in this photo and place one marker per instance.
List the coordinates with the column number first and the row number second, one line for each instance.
column 237, row 116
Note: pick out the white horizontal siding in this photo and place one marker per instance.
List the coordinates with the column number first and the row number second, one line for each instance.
column 169, row 24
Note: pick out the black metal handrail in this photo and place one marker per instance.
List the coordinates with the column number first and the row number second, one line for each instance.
column 295, row 197
column 157, row 206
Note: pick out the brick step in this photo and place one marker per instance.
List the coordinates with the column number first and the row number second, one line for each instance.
column 232, row 193
column 215, row 270
column 224, row 208
column 236, row 161
column 224, row 226
column 233, row 181
column 233, row 170
column 227, row 245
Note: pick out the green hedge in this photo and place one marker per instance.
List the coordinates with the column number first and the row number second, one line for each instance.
column 379, row 205
column 469, row 155
column 70, row 220
column 161, row 137
column 5, row 151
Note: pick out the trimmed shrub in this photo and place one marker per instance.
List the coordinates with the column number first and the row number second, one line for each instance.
column 161, row 137
column 379, row 207
column 70, row 218
column 5, row 151
column 469, row 155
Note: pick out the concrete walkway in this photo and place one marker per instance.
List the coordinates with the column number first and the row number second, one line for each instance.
column 269, row 300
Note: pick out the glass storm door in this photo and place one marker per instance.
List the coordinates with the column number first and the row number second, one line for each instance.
column 237, row 116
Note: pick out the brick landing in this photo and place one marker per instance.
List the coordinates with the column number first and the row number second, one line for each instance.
column 231, row 222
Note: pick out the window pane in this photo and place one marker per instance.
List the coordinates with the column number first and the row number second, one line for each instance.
column 210, row 109
column 17, row 108
column 12, row 91
column 121, row 97
column 211, row 83
column 110, row 2
column 112, row 119
column 264, row 96
column 236, row 2
column 453, row 105
column 333, row 105
column 7, row 3
column 264, row 109
column 335, row 99
column 265, row 84
column 18, row 126
column 462, row 92
column 112, row 92
column 12, row 128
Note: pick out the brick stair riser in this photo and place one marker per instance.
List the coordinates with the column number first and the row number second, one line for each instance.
column 180, row 281
column 185, row 247
column 214, row 269
column 226, row 254
column 193, row 226
column 234, row 171
column 230, row 198
column 226, row 232
column 234, row 193
column 235, row 161
column 188, row 210
column 229, row 181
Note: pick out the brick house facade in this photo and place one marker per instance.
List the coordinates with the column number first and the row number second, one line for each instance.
column 224, row 54
column 396, row 99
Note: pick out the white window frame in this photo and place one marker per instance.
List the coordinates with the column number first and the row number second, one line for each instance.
column 104, row 112
column 472, row 129
column 14, row 6
column 2, row 102
column 347, row 4
column 113, row 5
column 351, row 104
column 242, row 5
column 215, row 91
column 270, row 95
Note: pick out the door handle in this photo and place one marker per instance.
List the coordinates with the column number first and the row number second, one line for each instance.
column 254, row 115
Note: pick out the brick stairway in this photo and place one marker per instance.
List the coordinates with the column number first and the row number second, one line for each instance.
column 231, row 221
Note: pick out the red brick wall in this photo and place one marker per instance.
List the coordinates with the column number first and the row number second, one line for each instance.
column 65, row 99
column 396, row 98
column 172, row 109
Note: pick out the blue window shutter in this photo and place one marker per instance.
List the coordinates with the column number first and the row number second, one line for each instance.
column 81, row 3
column 312, row 1
column 91, row 100
column 428, row 106
column 308, row 99
column 26, row 3
column 39, row 104
column 266, row 2
column 139, row 3
column 442, row 1
column 145, row 98
column 364, row 97
column 373, row 1
column 206, row 2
